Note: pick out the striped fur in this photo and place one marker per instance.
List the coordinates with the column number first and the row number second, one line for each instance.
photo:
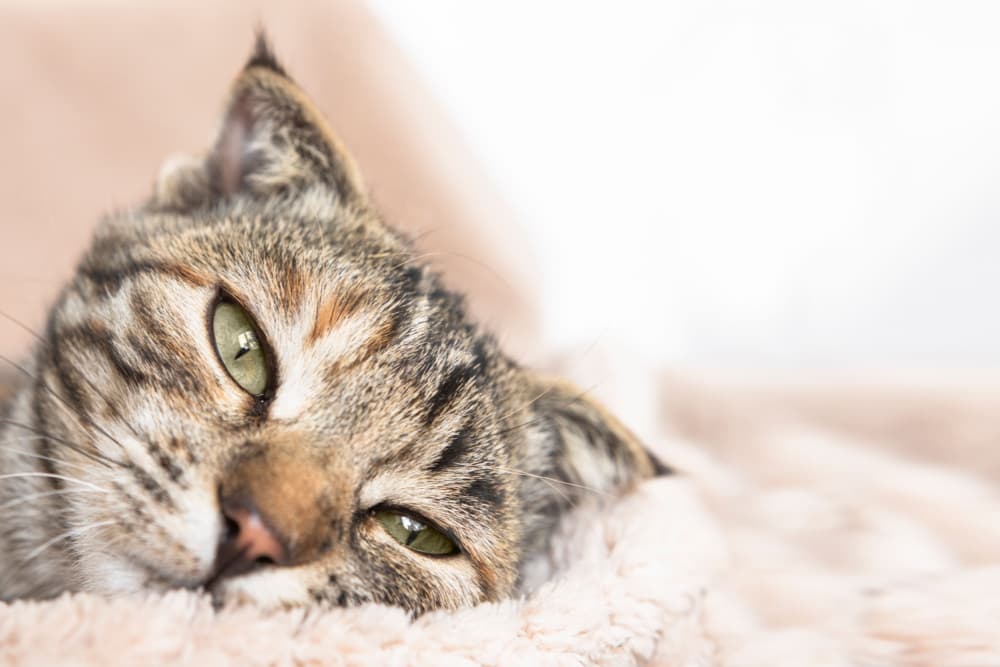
column 125, row 430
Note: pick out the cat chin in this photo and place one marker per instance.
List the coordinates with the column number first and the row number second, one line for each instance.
column 123, row 574
column 273, row 589
column 117, row 575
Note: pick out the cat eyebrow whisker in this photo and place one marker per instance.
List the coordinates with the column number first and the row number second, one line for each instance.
column 548, row 482
column 10, row 318
column 537, row 398
column 515, row 427
column 65, row 478
column 416, row 258
column 450, row 253
column 413, row 240
column 553, row 480
column 420, row 236
column 72, row 532
column 527, row 405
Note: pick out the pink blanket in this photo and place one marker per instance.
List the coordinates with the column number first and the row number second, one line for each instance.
column 784, row 541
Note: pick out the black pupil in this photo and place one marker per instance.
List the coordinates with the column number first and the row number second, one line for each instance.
column 247, row 342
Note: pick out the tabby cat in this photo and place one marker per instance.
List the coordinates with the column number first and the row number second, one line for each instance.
column 252, row 387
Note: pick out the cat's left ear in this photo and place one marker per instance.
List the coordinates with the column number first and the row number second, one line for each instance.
column 272, row 141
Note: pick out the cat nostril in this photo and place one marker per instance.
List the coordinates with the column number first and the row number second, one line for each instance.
column 247, row 541
column 232, row 529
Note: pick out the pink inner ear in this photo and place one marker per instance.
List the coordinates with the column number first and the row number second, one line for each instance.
column 232, row 147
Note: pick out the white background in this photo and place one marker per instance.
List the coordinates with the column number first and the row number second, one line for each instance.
column 776, row 185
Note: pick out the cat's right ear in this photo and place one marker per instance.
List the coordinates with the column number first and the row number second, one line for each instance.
column 584, row 445
column 272, row 141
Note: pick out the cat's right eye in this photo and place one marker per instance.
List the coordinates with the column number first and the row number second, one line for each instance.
column 239, row 347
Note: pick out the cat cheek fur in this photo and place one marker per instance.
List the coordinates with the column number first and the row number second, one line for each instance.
column 126, row 434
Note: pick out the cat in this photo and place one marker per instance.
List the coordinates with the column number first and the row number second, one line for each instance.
column 252, row 387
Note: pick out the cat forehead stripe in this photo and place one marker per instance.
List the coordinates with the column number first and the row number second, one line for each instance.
column 110, row 279
column 459, row 445
column 333, row 310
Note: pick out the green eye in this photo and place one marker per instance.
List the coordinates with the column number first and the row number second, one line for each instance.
column 239, row 348
column 415, row 535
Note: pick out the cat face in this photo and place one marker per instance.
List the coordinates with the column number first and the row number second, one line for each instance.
column 281, row 405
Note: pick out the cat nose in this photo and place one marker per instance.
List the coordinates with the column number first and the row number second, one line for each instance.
column 248, row 541
column 278, row 509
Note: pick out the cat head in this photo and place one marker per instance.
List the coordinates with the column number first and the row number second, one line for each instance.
column 281, row 404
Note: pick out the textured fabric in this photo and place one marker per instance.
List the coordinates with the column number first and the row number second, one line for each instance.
column 803, row 545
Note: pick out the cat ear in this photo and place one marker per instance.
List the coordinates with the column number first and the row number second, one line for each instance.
column 587, row 446
column 271, row 141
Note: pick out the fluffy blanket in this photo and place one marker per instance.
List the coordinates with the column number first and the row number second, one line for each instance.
column 788, row 538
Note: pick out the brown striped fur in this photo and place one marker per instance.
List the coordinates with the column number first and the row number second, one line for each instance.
column 125, row 431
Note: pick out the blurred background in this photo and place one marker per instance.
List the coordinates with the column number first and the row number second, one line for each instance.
column 759, row 185
column 770, row 188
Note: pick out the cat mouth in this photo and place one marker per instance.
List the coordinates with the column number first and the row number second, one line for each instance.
column 155, row 580
column 232, row 563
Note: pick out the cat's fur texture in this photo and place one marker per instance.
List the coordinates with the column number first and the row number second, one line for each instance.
column 125, row 430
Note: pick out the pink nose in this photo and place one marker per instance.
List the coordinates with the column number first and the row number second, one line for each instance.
column 249, row 539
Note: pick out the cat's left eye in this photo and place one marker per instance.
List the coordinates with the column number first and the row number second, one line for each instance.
column 415, row 534
column 239, row 347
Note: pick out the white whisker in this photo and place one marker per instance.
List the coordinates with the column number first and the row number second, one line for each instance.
column 53, row 476
column 41, row 456
column 44, row 494
column 527, row 405
column 554, row 480
column 69, row 533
